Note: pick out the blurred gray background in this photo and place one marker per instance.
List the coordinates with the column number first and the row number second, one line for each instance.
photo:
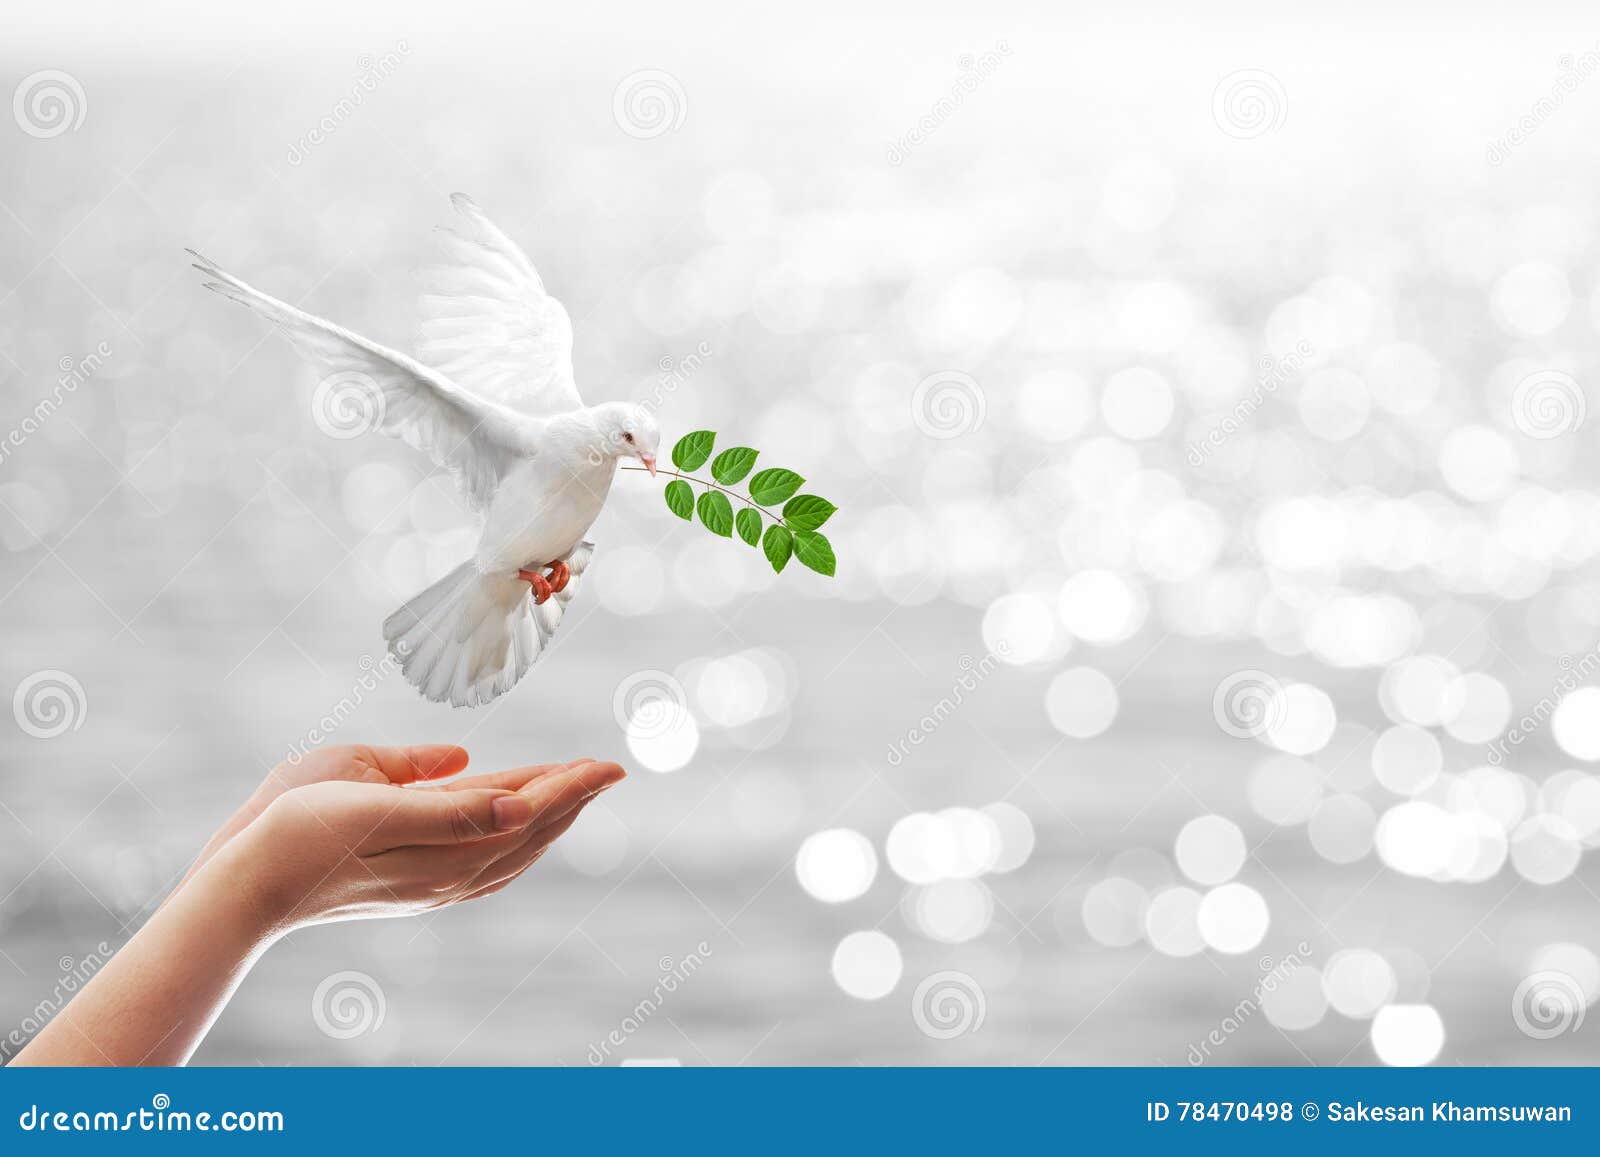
column 1205, row 400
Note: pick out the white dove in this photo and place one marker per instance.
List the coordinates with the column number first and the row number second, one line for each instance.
column 492, row 399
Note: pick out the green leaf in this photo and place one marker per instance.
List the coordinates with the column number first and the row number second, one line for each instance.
column 680, row 499
column 693, row 449
column 814, row 550
column 777, row 545
column 733, row 464
column 773, row 486
column 807, row 512
column 749, row 524
column 716, row 513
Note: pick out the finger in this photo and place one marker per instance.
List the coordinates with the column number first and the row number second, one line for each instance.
column 513, row 780
column 501, row 884
column 421, row 761
column 511, row 865
column 490, row 890
column 451, row 817
column 505, row 871
column 553, row 799
column 554, row 796
column 441, row 867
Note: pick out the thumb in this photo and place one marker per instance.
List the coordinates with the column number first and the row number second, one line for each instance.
column 454, row 817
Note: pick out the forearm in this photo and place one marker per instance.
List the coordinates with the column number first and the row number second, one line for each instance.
column 155, row 1000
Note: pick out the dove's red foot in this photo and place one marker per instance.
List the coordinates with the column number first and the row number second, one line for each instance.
column 546, row 585
column 540, row 585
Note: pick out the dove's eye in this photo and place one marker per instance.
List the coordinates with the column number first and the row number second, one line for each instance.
column 627, row 438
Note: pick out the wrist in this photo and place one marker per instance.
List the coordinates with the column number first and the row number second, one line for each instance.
column 239, row 884
column 251, row 809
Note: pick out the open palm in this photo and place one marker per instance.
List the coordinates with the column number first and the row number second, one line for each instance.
column 358, row 763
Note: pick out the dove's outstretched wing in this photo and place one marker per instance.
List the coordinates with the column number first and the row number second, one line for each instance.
column 469, row 435
column 489, row 325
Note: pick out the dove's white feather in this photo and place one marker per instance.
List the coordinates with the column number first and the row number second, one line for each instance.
column 468, row 638
column 497, row 406
column 475, row 438
column 488, row 323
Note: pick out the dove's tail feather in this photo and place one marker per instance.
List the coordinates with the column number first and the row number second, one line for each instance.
column 469, row 637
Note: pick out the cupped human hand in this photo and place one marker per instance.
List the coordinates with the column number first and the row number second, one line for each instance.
column 361, row 763
column 361, row 847
column 367, row 838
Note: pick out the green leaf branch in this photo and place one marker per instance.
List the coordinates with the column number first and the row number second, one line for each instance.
column 795, row 529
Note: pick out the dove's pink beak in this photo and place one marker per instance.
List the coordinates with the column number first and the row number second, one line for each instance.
column 649, row 461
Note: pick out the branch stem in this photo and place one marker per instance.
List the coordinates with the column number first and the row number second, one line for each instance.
column 690, row 478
